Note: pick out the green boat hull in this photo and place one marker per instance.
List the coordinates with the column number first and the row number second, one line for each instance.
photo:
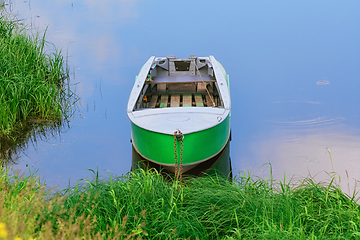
column 197, row 146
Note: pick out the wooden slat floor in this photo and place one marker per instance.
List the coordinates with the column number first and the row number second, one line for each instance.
column 181, row 100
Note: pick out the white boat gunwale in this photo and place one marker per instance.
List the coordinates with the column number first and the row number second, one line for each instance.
column 139, row 82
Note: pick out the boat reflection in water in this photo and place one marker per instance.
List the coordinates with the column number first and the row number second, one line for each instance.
column 219, row 165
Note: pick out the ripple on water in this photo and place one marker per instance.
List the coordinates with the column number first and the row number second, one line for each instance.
column 314, row 121
column 322, row 82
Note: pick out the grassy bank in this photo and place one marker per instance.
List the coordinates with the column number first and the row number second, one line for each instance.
column 144, row 206
column 32, row 81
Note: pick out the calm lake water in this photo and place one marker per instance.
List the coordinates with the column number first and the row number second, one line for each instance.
column 294, row 72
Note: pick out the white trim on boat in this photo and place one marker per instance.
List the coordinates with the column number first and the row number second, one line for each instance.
column 171, row 120
column 221, row 83
column 140, row 80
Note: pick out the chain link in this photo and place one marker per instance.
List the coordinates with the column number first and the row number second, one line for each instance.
column 181, row 157
column 175, row 151
column 178, row 173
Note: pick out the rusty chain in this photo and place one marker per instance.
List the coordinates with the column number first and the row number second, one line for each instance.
column 181, row 157
column 175, row 151
column 181, row 153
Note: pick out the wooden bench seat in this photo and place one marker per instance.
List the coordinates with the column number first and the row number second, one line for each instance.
column 201, row 87
column 161, row 87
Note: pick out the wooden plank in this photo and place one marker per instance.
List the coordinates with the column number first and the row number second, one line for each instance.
column 201, row 87
column 210, row 88
column 198, row 100
column 164, row 100
column 187, row 100
column 175, row 100
column 181, row 88
column 161, row 87
column 153, row 101
column 209, row 102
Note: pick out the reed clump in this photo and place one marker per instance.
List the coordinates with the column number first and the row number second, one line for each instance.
column 33, row 82
column 142, row 205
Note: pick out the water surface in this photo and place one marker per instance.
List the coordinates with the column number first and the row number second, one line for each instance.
column 293, row 66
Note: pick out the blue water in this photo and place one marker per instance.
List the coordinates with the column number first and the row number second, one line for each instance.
column 294, row 70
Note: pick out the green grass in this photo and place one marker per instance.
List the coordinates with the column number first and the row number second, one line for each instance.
column 33, row 82
column 142, row 205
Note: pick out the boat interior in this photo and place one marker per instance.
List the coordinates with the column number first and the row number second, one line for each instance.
column 180, row 82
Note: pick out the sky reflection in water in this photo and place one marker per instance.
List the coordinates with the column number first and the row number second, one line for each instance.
column 276, row 54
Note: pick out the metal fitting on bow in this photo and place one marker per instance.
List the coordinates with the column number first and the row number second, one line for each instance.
column 179, row 135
